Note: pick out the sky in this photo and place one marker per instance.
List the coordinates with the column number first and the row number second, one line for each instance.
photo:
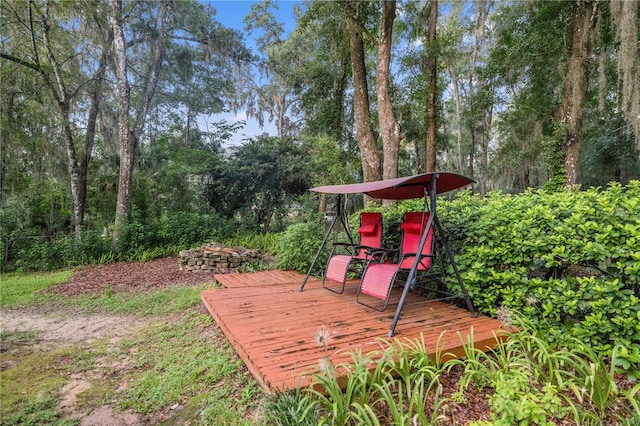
column 230, row 13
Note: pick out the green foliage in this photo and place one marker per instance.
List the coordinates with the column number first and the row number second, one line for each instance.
column 526, row 380
column 259, row 181
column 139, row 241
column 291, row 409
column 179, row 228
column 298, row 245
column 569, row 261
column 608, row 151
column 63, row 252
column 264, row 242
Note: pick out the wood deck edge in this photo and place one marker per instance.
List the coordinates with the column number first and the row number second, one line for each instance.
column 244, row 356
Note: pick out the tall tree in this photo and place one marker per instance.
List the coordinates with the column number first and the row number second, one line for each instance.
column 524, row 62
column 259, row 179
column 390, row 129
column 275, row 98
column 364, row 129
column 144, row 33
column 129, row 135
column 53, row 51
column 480, row 103
column 625, row 15
column 432, row 101
column 576, row 83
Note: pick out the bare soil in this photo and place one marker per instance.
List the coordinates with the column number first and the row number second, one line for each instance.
column 55, row 328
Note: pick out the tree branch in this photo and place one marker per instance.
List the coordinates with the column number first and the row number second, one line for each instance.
column 35, row 67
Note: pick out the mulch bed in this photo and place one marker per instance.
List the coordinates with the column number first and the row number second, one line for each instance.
column 123, row 277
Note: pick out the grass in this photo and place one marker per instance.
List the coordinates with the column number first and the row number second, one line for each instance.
column 24, row 289
column 30, row 388
column 174, row 367
column 177, row 360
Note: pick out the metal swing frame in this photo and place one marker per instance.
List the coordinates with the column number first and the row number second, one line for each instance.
column 399, row 189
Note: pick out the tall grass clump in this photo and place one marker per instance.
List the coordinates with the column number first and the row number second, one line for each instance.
column 266, row 243
column 524, row 380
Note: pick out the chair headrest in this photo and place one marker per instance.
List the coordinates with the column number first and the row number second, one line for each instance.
column 412, row 228
column 369, row 228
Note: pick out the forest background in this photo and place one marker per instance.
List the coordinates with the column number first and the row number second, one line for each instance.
column 106, row 138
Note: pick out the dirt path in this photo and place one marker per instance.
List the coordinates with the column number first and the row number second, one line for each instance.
column 61, row 327
column 43, row 328
column 57, row 329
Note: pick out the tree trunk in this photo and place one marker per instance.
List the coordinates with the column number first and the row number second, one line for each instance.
column 129, row 137
column 74, row 173
column 52, row 75
column 390, row 130
column 575, row 88
column 432, row 102
column 127, row 141
column 476, row 123
column 364, row 131
column 624, row 14
column 90, row 134
column 456, row 98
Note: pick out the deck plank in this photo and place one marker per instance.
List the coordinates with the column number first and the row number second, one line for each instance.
column 272, row 325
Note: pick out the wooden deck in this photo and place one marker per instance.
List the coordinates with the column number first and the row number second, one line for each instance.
column 273, row 326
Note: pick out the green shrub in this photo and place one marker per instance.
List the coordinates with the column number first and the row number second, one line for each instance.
column 569, row 260
column 64, row 252
column 138, row 241
column 298, row 245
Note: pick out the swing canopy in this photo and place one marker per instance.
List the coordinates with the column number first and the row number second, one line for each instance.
column 402, row 188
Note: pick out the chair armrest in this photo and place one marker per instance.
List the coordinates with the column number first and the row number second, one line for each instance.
column 376, row 250
column 404, row 255
column 379, row 254
column 344, row 244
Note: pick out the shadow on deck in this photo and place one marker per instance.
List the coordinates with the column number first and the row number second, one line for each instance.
column 273, row 326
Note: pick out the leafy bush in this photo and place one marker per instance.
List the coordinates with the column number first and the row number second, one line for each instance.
column 180, row 228
column 138, row 241
column 64, row 252
column 570, row 261
column 298, row 245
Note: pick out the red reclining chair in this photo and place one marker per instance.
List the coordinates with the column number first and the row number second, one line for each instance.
column 340, row 265
column 379, row 276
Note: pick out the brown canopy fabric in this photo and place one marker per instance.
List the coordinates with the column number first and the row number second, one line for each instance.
column 402, row 188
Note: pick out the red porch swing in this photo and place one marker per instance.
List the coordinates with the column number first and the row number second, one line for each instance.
column 418, row 186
